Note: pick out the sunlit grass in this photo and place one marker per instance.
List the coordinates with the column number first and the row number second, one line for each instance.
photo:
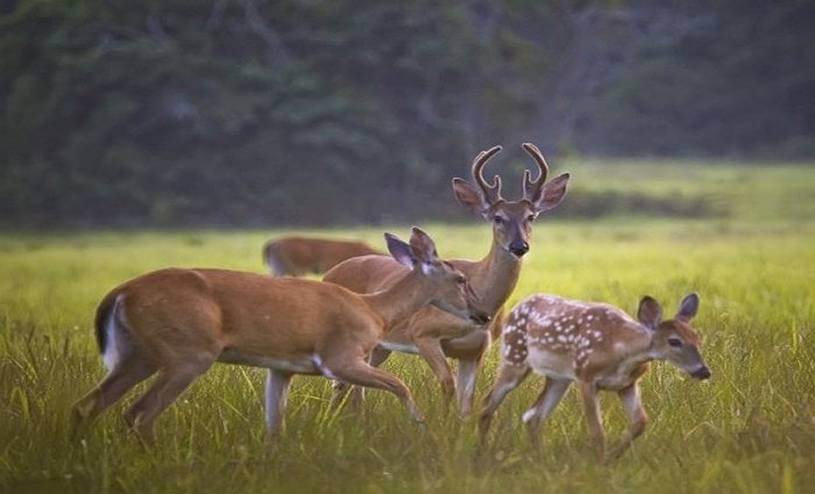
column 751, row 428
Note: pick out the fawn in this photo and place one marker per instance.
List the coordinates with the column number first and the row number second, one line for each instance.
column 596, row 345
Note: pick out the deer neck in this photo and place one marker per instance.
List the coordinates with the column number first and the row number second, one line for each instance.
column 401, row 299
column 495, row 277
column 643, row 351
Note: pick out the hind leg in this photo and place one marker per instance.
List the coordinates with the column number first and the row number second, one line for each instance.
column 171, row 382
column 128, row 373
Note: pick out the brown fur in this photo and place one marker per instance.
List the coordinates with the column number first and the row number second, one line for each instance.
column 296, row 256
column 599, row 347
column 178, row 322
column 434, row 334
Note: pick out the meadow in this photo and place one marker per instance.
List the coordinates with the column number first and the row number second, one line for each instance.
column 751, row 428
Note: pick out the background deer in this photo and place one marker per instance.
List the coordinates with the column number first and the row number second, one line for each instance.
column 433, row 334
column 179, row 322
column 596, row 345
column 295, row 256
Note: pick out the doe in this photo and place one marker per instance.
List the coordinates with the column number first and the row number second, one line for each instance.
column 179, row 322
column 599, row 347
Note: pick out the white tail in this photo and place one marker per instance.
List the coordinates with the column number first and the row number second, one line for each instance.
column 599, row 347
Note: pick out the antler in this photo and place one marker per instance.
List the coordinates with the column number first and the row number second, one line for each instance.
column 532, row 189
column 492, row 191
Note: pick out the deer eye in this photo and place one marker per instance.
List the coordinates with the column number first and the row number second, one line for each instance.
column 675, row 342
column 460, row 279
column 498, row 220
column 531, row 217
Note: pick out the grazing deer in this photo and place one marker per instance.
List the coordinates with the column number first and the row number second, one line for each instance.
column 596, row 345
column 433, row 334
column 179, row 322
column 295, row 256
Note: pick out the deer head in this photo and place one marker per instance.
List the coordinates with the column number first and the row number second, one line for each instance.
column 511, row 220
column 448, row 288
column 675, row 340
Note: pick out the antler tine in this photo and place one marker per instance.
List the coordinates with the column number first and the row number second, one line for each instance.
column 532, row 187
column 492, row 191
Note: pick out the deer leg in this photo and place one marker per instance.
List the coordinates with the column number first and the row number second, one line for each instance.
column 360, row 373
column 430, row 349
column 128, row 373
column 467, row 375
column 552, row 393
column 509, row 377
column 277, row 393
column 378, row 356
column 637, row 418
column 591, row 407
column 171, row 382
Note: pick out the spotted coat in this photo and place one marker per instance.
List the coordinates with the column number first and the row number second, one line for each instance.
column 566, row 338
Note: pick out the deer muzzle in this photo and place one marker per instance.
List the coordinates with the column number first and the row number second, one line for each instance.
column 480, row 317
column 701, row 373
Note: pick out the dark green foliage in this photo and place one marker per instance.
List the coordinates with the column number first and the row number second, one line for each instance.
column 236, row 112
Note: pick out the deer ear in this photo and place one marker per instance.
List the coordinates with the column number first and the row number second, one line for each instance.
column 649, row 312
column 468, row 196
column 688, row 307
column 400, row 250
column 422, row 246
column 553, row 193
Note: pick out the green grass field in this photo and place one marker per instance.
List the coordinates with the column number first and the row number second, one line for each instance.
column 749, row 429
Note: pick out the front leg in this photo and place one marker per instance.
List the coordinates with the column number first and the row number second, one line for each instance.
column 469, row 351
column 552, row 393
column 277, row 392
column 509, row 377
column 591, row 407
column 355, row 370
column 467, row 375
column 378, row 356
column 430, row 349
column 637, row 418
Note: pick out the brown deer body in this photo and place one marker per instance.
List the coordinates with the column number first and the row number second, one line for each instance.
column 296, row 256
column 179, row 322
column 599, row 347
column 433, row 334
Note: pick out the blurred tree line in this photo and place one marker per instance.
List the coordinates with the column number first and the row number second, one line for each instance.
column 243, row 112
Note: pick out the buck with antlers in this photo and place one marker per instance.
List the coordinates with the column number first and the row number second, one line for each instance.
column 433, row 334
column 295, row 256
column 179, row 322
column 596, row 345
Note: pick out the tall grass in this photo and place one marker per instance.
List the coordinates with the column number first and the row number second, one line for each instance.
column 749, row 429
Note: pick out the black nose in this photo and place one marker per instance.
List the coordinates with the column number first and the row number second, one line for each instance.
column 480, row 317
column 519, row 248
column 701, row 373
